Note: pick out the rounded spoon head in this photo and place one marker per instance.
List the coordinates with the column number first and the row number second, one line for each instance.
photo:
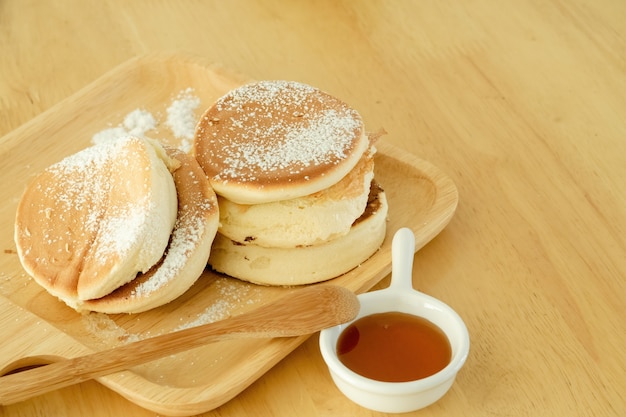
column 304, row 311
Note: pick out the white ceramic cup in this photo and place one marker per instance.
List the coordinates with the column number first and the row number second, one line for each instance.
column 399, row 397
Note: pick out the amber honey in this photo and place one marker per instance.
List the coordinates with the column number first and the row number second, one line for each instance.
column 394, row 347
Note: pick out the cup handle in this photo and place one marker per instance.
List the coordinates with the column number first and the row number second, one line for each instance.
column 402, row 254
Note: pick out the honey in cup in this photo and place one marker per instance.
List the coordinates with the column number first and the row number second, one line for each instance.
column 394, row 347
column 371, row 384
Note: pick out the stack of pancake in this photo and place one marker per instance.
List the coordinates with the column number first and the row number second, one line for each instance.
column 118, row 227
column 293, row 169
column 280, row 191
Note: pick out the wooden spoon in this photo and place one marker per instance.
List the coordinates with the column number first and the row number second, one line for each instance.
column 301, row 312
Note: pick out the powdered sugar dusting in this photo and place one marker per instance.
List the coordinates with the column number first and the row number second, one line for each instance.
column 85, row 182
column 323, row 139
column 118, row 232
column 219, row 310
column 231, row 298
column 109, row 135
column 83, row 186
column 269, row 94
column 85, row 217
column 277, row 128
column 181, row 118
column 107, row 330
column 138, row 122
column 185, row 237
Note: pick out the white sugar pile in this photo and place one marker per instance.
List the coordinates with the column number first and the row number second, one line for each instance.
column 181, row 121
column 139, row 121
column 136, row 123
column 181, row 117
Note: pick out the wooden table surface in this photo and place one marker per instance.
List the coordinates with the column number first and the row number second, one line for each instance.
column 521, row 103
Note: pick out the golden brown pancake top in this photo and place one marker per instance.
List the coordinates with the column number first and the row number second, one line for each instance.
column 277, row 134
column 77, row 219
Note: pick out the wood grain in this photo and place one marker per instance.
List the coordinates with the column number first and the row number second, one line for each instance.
column 521, row 103
column 300, row 313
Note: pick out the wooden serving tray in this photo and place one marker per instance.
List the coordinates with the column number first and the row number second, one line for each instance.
column 37, row 328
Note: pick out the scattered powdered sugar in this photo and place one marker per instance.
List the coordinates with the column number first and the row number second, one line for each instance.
column 119, row 231
column 138, row 122
column 269, row 94
column 276, row 128
column 185, row 237
column 82, row 187
column 326, row 137
column 107, row 330
column 181, row 117
column 189, row 230
column 108, row 135
column 232, row 296
column 181, row 120
column 219, row 310
column 82, row 184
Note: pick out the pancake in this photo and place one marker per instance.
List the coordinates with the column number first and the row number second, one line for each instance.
column 89, row 223
column 309, row 264
column 302, row 221
column 277, row 140
column 187, row 253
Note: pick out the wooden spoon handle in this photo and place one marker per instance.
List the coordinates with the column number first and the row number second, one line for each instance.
column 302, row 312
